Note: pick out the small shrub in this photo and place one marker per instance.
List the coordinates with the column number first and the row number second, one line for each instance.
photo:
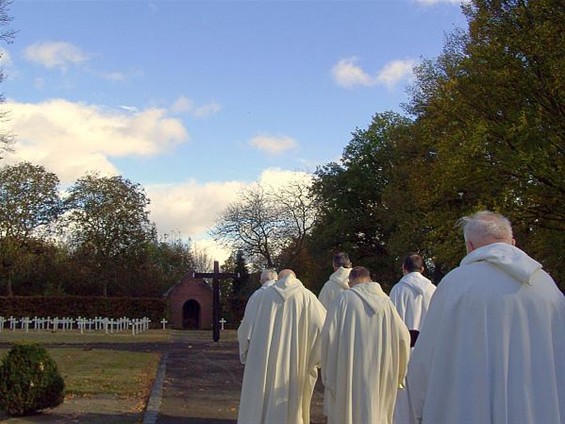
column 29, row 381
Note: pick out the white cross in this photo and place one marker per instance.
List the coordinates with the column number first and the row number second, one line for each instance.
column 25, row 323
column 164, row 322
column 13, row 321
column 222, row 322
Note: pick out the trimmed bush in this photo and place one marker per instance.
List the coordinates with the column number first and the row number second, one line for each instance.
column 29, row 381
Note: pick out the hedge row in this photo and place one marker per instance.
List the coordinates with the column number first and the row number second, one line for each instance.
column 83, row 306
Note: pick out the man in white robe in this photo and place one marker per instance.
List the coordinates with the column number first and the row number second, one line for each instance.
column 365, row 349
column 283, row 355
column 338, row 281
column 267, row 279
column 411, row 296
column 492, row 347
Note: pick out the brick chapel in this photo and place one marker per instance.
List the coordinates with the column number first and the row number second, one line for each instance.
column 190, row 304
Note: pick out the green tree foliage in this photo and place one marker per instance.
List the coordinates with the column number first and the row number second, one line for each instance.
column 29, row 200
column 492, row 108
column 29, row 203
column 166, row 262
column 235, row 292
column 109, row 223
column 487, row 131
column 354, row 216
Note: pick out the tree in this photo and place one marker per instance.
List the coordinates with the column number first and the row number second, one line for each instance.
column 7, row 36
column 493, row 108
column 354, row 216
column 268, row 221
column 109, row 222
column 29, row 200
column 236, row 292
column 29, row 203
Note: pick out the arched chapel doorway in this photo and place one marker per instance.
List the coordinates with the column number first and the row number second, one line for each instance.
column 191, row 315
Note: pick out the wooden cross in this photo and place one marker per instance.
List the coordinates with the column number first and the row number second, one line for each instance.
column 215, row 276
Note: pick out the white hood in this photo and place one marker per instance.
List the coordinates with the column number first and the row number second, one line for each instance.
column 341, row 277
column 372, row 294
column 287, row 286
column 509, row 258
column 417, row 282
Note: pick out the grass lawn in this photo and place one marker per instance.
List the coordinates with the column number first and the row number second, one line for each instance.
column 74, row 337
column 93, row 371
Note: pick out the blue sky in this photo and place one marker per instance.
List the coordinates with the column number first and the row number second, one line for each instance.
column 197, row 99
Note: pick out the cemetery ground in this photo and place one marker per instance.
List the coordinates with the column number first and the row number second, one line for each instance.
column 110, row 377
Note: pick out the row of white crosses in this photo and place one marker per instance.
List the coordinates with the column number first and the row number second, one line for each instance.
column 108, row 325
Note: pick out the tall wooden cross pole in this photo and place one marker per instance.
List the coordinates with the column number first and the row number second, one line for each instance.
column 216, row 276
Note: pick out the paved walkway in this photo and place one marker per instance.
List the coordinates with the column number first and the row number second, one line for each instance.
column 199, row 382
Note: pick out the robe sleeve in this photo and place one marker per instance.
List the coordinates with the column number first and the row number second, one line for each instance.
column 318, row 320
column 245, row 328
column 403, row 348
column 422, row 355
column 329, row 357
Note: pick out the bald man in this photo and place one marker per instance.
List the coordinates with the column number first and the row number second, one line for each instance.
column 282, row 354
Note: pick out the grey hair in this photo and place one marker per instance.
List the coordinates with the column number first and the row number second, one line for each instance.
column 485, row 226
column 268, row 274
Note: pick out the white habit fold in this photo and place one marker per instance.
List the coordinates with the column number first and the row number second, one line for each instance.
column 492, row 347
column 283, row 356
column 365, row 349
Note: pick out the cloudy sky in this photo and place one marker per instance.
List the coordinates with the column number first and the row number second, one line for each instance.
column 197, row 99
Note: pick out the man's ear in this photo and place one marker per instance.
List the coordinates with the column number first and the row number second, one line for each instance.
column 470, row 247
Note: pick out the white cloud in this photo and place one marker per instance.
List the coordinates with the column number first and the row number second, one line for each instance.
column 395, row 71
column 348, row 74
column 192, row 208
column 73, row 138
column 55, row 54
column 273, row 145
column 277, row 177
column 184, row 105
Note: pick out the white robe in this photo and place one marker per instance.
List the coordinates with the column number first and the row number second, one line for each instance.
column 244, row 329
column 492, row 348
column 283, row 355
column 411, row 296
column 365, row 349
column 338, row 282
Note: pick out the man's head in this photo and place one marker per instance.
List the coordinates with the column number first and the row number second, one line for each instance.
column 485, row 227
column 268, row 275
column 358, row 275
column 285, row 273
column 413, row 262
column 341, row 259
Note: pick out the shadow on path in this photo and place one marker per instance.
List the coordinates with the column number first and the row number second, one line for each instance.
column 202, row 383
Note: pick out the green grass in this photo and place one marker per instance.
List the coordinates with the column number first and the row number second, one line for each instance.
column 104, row 372
column 94, row 371
column 74, row 336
